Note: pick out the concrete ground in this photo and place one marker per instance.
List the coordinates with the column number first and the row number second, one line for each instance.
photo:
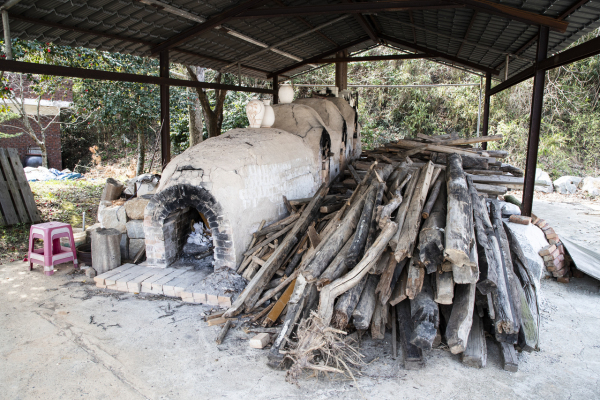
column 62, row 338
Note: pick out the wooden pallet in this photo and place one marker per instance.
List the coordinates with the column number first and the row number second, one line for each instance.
column 17, row 204
column 171, row 282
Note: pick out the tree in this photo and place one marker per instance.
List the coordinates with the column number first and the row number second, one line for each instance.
column 213, row 118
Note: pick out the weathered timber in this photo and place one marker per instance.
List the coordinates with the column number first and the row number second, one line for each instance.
column 106, row 249
column 402, row 210
column 362, row 183
column 443, row 287
column 399, row 292
column 474, row 163
column 495, row 153
column 432, row 197
column 373, row 226
column 389, row 208
column 363, row 312
column 346, row 304
column 511, row 182
column 354, row 174
column 384, row 288
column 508, row 356
column 279, row 305
column 312, row 267
column 484, row 172
column 381, row 265
column 412, row 355
column 412, row 222
column 254, row 288
column 362, row 229
column 431, row 237
column 112, row 190
column 269, row 239
column 415, row 277
column 493, row 190
column 224, row 331
column 337, row 267
column 478, row 139
column 461, row 318
column 475, row 354
column 506, row 321
column 330, row 292
column 378, row 321
column 296, row 258
column 425, row 317
column 487, row 244
column 515, row 171
column 459, row 217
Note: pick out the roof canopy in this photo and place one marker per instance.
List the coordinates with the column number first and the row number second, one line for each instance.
column 280, row 37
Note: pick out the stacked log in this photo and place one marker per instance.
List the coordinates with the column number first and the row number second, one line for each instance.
column 414, row 242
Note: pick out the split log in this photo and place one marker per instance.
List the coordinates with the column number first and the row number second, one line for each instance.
column 412, row 355
column 402, row 210
column 488, row 248
column 362, row 314
column 330, row 292
column 384, row 288
column 378, row 321
column 432, row 197
column 465, row 274
column 346, row 304
column 459, row 217
column 475, row 354
column 373, row 227
column 337, row 267
column 493, row 190
column 425, row 317
column 254, row 288
column 294, row 262
column 431, row 237
column 415, row 277
column 362, row 229
column 506, row 322
column 381, row 265
column 224, row 331
column 112, row 190
column 389, row 208
column 443, row 287
column 399, row 292
column 410, row 228
column 508, row 355
column 461, row 318
column 312, row 267
column 106, row 249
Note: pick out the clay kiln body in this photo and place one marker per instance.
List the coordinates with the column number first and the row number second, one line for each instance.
column 238, row 179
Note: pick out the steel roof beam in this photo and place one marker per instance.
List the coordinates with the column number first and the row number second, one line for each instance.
column 210, row 23
column 83, row 73
column 516, row 14
column 320, row 56
column 372, row 58
column 438, row 54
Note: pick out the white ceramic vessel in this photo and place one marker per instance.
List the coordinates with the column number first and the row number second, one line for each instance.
column 286, row 94
column 269, row 116
column 255, row 110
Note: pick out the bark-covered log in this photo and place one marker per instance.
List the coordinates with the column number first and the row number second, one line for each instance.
column 362, row 229
column 399, row 292
column 488, row 249
column 412, row 355
column 112, row 190
column 337, row 267
column 412, row 222
column 373, row 227
column 461, row 318
column 431, row 237
column 296, row 258
column 432, row 196
column 346, row 304
column 401, row 214
column 475, row 354
column 459, row 215
column 425, row 317
column 362, row 314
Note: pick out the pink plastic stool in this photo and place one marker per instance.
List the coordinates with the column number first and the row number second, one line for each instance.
column 52, row 253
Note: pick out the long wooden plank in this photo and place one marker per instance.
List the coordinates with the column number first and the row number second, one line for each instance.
column 13, row 187
column 9, row 214
column 457, row 142
column 28, row 199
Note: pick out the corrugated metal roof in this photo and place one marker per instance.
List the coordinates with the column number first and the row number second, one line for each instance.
column 139, row 27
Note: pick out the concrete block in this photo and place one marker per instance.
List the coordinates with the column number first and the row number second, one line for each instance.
column 135, row 229
column 135, row 207
column 114, row 218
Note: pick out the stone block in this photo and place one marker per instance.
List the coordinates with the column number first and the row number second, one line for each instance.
column 567, row 184
column 591, row 185
column 543, row 183
column 135, row 229
column 134, row 246
column 113, row 218
column 135, row 207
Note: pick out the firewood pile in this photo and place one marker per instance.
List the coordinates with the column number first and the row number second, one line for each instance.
column 410, row 239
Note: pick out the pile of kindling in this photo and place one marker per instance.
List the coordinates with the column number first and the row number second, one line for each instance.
column 410, row 238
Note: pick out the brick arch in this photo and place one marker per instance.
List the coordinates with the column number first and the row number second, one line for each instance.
column 165, row 230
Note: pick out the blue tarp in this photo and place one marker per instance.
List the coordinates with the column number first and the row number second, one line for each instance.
column 44, row 174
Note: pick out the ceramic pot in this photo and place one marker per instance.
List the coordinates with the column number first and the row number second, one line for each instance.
column 269, row 117
column 286, row 94
column 255, row 110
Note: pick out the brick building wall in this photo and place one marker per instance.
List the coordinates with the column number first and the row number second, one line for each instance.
column 23, row 141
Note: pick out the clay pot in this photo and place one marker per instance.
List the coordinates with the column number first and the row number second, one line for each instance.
column 269, row 117
column 255, row 110
column 286, row 94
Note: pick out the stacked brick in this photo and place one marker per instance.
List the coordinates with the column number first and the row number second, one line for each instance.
column 554, row 253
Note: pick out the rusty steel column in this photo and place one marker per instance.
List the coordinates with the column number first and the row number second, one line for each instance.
column 535, row 122
column 275, row 89
column 165, row 133
column 486, row 108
